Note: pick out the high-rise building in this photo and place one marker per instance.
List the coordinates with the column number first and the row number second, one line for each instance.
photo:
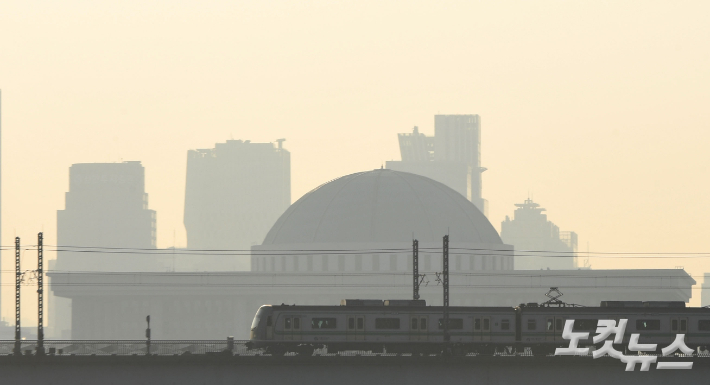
column 538, row 243
column 106, row 207
column 105, row 227
column 452, row 156
column 234, row 193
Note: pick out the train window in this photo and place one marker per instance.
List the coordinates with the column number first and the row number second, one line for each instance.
column 296, row 323
column 423, row 324
column 505, row 324
column 585, row 324
column 683, row 325
column 549, row 324
column 351, row 323
column 704, row 324
column 287, row 323
column 360, row 323
column 532, row 325
column 674, row 325
column 323, row 323
column 648, row 324
column 477, row 324
column 386, row 323
column 486, row 324
column 558, row 324
column 454, row 323
column 268, row 321
column 415, row 324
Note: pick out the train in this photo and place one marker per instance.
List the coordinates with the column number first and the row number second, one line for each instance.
column 410, row 326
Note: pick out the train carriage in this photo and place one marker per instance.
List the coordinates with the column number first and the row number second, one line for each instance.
column 403, row 326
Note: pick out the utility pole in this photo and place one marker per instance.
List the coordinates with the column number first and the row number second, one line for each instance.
column 18, row 281
column 415, row 272
column 447, row 337
column 147, row 336
column 40, row 297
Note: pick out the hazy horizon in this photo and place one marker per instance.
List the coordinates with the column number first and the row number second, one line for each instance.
column 597, row 110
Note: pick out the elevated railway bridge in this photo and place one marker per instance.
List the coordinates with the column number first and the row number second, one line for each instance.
column 231, row 362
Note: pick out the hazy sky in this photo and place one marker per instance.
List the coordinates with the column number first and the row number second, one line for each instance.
column 598, row 109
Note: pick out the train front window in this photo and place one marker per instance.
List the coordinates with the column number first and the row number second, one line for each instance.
column 360, row 324
column 549, row 325
column 558, row 324
column 351, row 323
column 287, row 323
column 477, row 324
column 415, row 324
column 296, row 323
column 257, row 318
column 423, row 324
column 674, row 325
column 648, row 324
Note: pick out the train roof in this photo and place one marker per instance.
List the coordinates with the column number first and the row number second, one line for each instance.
column 501, row 309
column 355, row 309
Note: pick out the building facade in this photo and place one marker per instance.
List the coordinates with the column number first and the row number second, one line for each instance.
column 539, row 243
column 234, row 193
column 452, row 156
column 104, row 227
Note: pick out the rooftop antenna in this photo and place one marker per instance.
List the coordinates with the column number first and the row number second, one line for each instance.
column 281, row 143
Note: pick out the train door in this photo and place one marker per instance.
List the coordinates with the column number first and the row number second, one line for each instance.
column 356, row 328
column 679, row 325
column 553, row 328
column 269, row 328
column 477, row 328
column 296, row 328
column 486, row 329
column 418, row 328
column 288, row 328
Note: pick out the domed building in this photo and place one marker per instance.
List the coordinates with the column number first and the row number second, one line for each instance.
column 366, row 222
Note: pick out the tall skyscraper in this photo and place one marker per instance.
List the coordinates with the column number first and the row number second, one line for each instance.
column 452, row 156
column 106, row 208
column 234, row 193
column 533, row 235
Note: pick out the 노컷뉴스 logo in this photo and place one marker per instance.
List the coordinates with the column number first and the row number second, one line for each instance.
column 606, row 328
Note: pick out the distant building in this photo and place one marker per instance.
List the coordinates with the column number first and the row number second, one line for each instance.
column 532, row 234
column 233, row 195
column 106, row 208
column 452, row 156
column 348, row 238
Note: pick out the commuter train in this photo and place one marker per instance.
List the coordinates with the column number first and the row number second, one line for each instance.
column 409, row 326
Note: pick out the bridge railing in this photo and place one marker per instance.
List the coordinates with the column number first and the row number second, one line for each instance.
column 130, row 347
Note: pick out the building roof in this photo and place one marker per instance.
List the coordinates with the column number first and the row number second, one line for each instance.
column 381, row 206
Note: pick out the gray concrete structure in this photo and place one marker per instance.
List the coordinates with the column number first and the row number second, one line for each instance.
column 218, row 370
column 452, row 156
column 349, row 238
column 217, row 305
column 539, row 243
column 705, row 295
column 106, row 208
column 233, row 195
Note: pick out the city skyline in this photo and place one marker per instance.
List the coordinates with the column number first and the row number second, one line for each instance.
column 605, row 123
